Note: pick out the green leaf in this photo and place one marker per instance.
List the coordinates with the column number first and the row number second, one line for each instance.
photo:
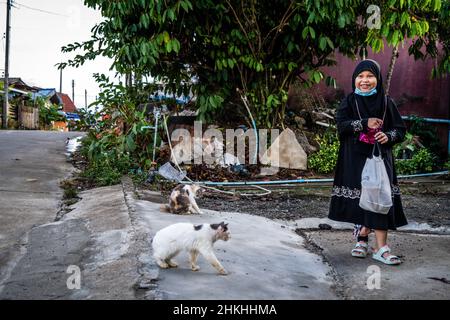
column 330, row 43
column 312, row 32
column 292, row 66
column 330, row 82
column 184, row 5
column 171, row 14
column 212, row 101
column 322, row 43
column 393, row 18
column 316, row 76
column 437, row 5
column 341, row 21
column 166, row 36
column 269, row 100
column 395, row 36
column 385, row 30
column 404, row 19
column 290, row 47
column 418, row 28
column 169, row 46
column 305, row 32
column 175, row 45
column 311, row 18
column 131, row 145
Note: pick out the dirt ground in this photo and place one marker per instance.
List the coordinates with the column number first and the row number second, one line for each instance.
column 422, row 202
column 425, row 200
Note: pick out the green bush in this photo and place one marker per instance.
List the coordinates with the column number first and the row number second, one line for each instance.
column 427, row 133
column 47, row 114
column 106, row 170
column 447, row 165
column 324, row 160
column 421, row 162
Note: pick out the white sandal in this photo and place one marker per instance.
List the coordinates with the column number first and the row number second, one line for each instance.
column 360, row 250
column 391, row 259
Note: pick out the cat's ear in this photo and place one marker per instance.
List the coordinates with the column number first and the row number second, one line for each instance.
column 224, row 225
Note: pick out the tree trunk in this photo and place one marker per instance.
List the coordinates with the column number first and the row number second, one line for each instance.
column 391, row 69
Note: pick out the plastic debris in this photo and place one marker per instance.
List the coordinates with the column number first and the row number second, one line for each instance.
column 170, row 173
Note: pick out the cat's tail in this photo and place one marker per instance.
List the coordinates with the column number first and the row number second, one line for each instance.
column 164, row 208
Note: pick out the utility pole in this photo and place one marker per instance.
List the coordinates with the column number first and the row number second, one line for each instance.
column 73, row 91
column 85, row 99
column 8, row 28
column 60, row 81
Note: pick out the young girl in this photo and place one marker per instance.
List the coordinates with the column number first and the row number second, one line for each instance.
column 364, row 117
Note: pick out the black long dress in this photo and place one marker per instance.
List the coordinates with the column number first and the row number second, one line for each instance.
column 344, row 205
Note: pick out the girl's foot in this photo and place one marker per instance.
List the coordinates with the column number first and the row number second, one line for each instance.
column 361, row 247
column 383, row 255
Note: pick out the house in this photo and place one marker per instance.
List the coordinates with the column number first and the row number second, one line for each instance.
column 19, row 84
column 66, row 103
column 28, row 94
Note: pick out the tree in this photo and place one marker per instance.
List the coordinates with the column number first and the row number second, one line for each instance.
column 225, row 51
column 426, row 22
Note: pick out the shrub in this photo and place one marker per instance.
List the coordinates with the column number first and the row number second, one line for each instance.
column 324, row 160
column 422, row 161
column 427, row 133
column 447, row 165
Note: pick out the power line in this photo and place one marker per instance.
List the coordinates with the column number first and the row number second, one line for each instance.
column 40, row 10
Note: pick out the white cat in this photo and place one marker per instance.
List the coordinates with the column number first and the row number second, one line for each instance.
column 195, row 239
column 182, row 200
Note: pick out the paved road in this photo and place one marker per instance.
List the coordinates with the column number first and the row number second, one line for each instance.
column 31, row 165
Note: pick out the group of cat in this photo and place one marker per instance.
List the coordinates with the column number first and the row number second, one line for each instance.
column 196, row 239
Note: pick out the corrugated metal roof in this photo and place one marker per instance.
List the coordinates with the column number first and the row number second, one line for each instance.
column 44, row 93
column 68, row 105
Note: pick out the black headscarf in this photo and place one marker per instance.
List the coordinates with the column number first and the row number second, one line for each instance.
column 370, row 106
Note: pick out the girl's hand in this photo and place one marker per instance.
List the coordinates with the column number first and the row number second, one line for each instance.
column 374, row 123
column 381, row 137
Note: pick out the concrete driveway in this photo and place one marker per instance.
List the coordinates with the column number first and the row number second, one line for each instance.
column 31, row 165
column 265, row 261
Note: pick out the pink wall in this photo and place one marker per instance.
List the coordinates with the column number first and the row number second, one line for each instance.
column 410, row 78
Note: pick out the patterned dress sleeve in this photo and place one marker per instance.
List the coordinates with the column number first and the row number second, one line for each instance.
column 397, row 128
column 347, row 122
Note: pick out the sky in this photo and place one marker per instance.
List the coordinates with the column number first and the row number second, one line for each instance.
column 39, row 28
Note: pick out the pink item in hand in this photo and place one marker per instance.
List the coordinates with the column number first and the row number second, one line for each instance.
column 369, row 137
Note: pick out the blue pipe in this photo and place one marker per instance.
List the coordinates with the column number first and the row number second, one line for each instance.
column 427, row 119
column 435, row 121
column 423, row 174
column 246, row 183
column 238, row 183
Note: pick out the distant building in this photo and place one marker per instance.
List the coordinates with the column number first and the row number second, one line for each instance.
column 66, row 102
column 28, row 95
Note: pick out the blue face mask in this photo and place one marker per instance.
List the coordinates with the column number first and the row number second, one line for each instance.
column 365, row 94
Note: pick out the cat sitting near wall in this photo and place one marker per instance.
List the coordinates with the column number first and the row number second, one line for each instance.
column 182, row 200
column 195, row 239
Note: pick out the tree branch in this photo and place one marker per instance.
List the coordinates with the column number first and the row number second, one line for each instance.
column 243, row 29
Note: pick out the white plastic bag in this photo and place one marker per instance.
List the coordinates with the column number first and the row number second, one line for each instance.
column 376, row 193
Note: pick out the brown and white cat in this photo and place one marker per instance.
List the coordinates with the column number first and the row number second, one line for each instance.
column 182, row 200
column 195, row 239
